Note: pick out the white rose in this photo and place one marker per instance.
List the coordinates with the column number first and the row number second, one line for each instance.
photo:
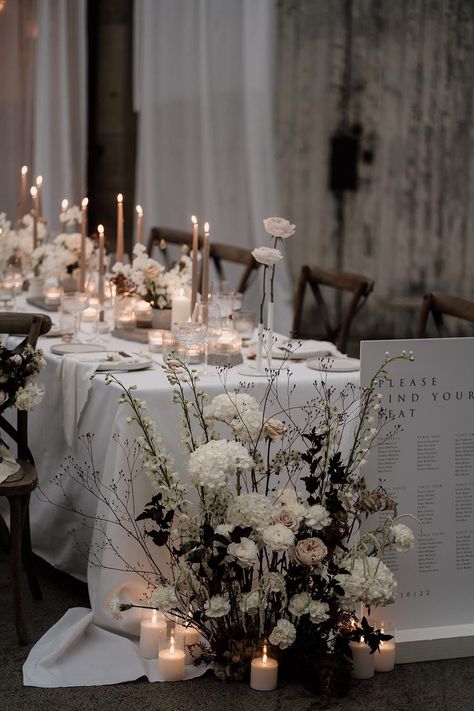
column 245, row 552
column 318, row 611
column 267, row 255
column 224, row 529
column 164, row 598
column 273, row 429
column 250, row 602
column 299, row 603
column 217, row 606
column 279, row 227
column 402, row 537
column 317, row 517
column 283, row 635
column 288, row 518
column 278, row 537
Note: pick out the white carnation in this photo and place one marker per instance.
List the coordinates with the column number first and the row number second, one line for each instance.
column 318, row 611
column 244, row 553
column 299, row 604
column 369, row 581
column 217, row 606
column 115, row 608
column 278, row 537
column 317, row 517
column 164, row 598
column 253, row 510
column 250, row 602
column 211, row 464
column 283, row 635
column 402, row 537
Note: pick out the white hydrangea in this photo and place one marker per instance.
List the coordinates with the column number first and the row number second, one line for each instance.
column 211, row 464
column 402, row 537
column 217, row 606
column 250, row 602
column 317, row 517
column 278, row 537
column 244, row 553
column 29, row 396
column 318, row 611
column 238, row 410
column 283, row 635
column 252, row 509
column 299, row 604
column 164, row 598
column 369, row 581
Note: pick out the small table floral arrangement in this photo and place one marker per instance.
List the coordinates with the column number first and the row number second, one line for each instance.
column 16, row 245
column 61, row 257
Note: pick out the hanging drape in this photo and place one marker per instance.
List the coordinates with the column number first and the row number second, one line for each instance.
column 204, row 94
column 43, row 107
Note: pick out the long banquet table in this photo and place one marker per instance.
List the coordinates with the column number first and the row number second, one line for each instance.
column 55, row 661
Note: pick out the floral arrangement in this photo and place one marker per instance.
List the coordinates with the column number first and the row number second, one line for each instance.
column 18, row 244
column 62, row 256
column 18, row 371
column 147, row 278
column 279, row 547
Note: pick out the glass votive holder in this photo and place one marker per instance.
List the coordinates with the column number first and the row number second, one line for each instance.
column 143, row 314
column 171, row 657
column 125, row 314
column 192, row 354
column 89, row 324
column 384, row 659
column 155, row 340
column 52, row 295
column 244, row 323
column 66, row 324
column 168, row 345
column 263, row 670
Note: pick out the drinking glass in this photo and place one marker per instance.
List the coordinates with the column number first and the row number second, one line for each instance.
column 244, row 323
column 15, row 278
column 210, row 316
column 75, row 302
column 189, row 333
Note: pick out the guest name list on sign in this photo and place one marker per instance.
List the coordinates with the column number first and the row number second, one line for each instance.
column 429, row 466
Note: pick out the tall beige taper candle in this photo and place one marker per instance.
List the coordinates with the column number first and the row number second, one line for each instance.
column 82, row 281
column 119, row 253
column 139, row 210
column 205, row 266
column 100, row 230
column 22, row 200
column 194, row 278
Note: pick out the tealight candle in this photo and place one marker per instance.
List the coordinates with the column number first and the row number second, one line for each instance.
column 155, row 341
column 171, row 660
column 362, row 660
column 384, row 659
column 180, row 307
column 264, row 672
column 126, row 322
column 52, row 296
column 228, row 342
column 143, row 314
column 189, row 636
column 151, row 631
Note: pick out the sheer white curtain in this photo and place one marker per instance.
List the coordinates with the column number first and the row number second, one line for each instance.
column 43, row 107
column 205, row 96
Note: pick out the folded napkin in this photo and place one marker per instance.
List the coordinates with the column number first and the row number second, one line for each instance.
column 8, row 464
column 74, row 372
column 297, row 348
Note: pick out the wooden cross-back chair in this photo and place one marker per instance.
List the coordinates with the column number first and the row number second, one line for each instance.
column 359, row 286
column 18, row 487
column 439, row 305
column 161, row 237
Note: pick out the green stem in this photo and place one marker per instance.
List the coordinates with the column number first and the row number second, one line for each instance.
column 264, row 293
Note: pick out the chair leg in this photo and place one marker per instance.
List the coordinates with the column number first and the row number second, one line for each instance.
column 28, row 559
column 17, row 513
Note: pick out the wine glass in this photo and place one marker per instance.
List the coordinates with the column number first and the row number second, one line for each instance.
column 210, row 315
column 74, row 303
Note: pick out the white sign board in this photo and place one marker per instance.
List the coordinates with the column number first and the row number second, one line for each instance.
column 429, row 466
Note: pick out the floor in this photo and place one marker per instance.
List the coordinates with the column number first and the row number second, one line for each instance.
column 435, row 686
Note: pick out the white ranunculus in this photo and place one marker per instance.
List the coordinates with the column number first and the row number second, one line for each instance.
column 164, row 598
column 278, row 537
column 28, row 397
column 317, row 517
column 244, row 553
column 217, row 606
column 369, row 581
column 250, row 602
column 252, row 509
column 318, row 611
column 402, row 537
column 267, row 255
column 299, row 604
column 211, row 464
column 279, row 227
column 283, row 635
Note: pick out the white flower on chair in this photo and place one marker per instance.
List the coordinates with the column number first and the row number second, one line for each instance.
column 267, row 255
column 279, row 227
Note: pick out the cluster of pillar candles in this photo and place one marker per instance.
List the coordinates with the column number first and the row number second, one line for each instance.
column 183, row 306
column 366, row 664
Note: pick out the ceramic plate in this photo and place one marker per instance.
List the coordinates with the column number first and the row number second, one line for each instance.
column 136, row 362
column 66, row 348
column 335, row 365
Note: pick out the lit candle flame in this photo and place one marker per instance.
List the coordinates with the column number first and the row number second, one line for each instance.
column 64, row 204
column 120, row 197
column 265, row 657
column 39, row 181
column 206, row 227
column 154, row 617
column 172, row 643
column 100, row 229
column 139, row 210
column 33, row 191
column 194, row 219
column 85, row 202
column 24, row 170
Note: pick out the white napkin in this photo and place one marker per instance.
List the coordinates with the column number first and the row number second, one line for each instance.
column 298, row 348
column 74, row 372
column 8, row 464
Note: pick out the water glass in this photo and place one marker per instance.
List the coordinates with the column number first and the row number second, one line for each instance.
column 75, row 302
column 244, row 323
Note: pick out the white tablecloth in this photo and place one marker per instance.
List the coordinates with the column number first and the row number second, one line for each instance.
column 80, row 642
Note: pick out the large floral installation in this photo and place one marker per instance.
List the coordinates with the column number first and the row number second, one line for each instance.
column 278, row 544
column 149, row 279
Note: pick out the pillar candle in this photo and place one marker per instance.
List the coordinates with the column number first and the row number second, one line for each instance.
column 264, row 672
column 139, row 224
column 384, row 659
column 171, row 662
column 100, row 231
column 362, row 660
column 22, row 200
column 180, row 307
column 82, row 279
column 190, row 636
column 151, row 631
column 39, row 186
column 194, row 281
column 205, row 266
column 120, row 240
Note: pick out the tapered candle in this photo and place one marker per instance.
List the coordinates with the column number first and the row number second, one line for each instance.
column 82, row 277
column 205, row 266
column 194, row 278
column 139, row 210
column 119, row 252
column 100, row 230
column 22, row 200
column 34, row 197
column 39, row 186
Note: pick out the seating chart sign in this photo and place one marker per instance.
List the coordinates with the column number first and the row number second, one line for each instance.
column 429, row 465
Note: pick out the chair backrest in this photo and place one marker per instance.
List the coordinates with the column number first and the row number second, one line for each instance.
column 439, row 305
column 31, row 326
column 161, row 237
column 359, row 286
